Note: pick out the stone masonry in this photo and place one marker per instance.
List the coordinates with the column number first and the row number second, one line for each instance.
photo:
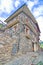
column 20, row 34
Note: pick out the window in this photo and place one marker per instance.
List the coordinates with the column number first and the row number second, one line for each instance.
column 15, row 27
column 26, row 30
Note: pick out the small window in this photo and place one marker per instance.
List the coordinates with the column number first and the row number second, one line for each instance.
column 26, row 30
column 15, row 27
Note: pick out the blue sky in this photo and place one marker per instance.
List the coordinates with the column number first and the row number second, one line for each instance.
column 7, row 7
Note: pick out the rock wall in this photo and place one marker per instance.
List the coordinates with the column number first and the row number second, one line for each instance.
column 12, row 42
column 6, row 46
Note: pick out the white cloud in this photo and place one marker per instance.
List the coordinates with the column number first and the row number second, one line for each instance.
column 25, row 0
column 40, row 22
column 38, row 11
column 16, row 3
column 6, row 6
column 36, row 1
column 32, row 3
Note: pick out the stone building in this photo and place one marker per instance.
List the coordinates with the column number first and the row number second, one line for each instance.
column 21, row 34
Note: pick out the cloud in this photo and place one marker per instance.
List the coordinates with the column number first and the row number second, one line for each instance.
column 38, row 11
column 6, row 6
column 36, row 2
column 32, row 3
column 25, row 0
column 17, row 3
column 40, row 22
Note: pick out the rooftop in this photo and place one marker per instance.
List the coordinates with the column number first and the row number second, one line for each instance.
column 24, row 9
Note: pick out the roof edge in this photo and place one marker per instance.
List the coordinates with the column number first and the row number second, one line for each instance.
column 11, row 16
